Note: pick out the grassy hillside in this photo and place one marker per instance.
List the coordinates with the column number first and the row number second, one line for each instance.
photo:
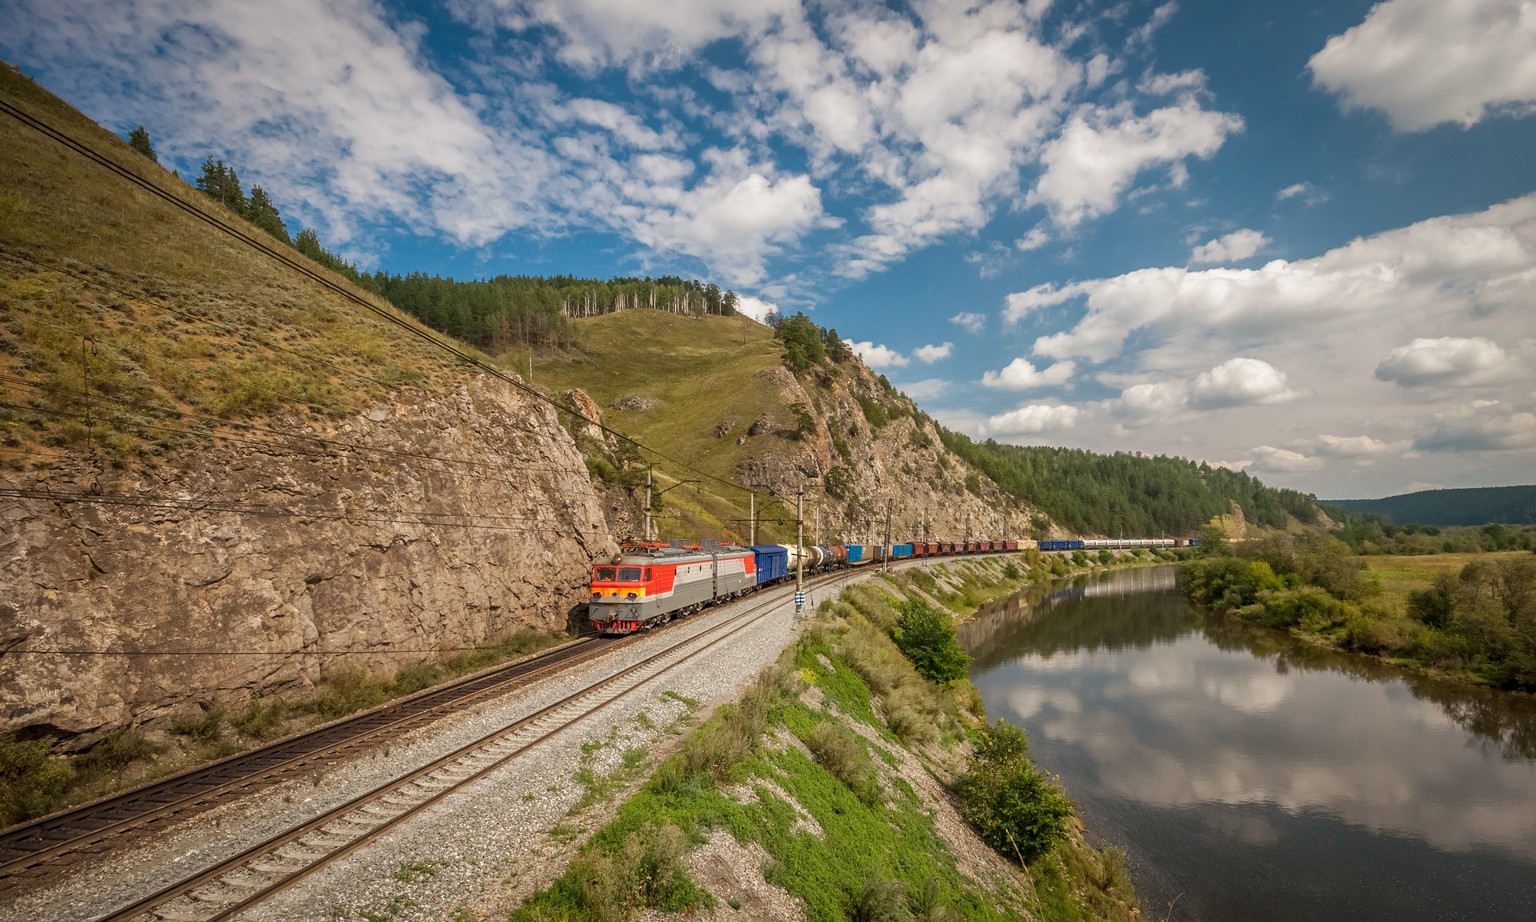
column 131, row 326
column 670, row 380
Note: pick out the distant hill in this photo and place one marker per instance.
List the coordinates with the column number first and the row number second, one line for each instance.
column 1471, row 506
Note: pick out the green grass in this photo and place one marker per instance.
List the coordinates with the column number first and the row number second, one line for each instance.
column 177, row 332
column 1401, row 575
column 875, row 852
column 700, row 371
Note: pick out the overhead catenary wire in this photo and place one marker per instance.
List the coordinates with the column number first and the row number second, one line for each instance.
column 216, row 504
column 233, row 423
column 297, row 263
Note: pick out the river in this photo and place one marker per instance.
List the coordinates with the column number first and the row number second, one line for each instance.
column 1250, row 777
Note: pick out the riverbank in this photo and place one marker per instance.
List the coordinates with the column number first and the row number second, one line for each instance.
column 1472, row 621
column 1252, row 776
column 823, row 793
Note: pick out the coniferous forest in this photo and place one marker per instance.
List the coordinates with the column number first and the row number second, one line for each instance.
column 496, row 314
column 1128, row 494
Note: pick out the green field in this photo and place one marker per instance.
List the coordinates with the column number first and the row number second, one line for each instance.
column 1401, row 575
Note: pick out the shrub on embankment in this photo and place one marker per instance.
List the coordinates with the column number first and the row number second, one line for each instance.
column 817, row 766
column 1479, row 623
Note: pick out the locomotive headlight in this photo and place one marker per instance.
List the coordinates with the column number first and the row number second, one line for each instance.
column 632, row 596
column 597, row 595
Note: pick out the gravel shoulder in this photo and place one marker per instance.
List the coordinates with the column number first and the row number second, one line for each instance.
column 479, row 853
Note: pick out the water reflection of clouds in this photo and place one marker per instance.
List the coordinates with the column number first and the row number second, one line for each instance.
column 1232, row 685
column 1186, row 724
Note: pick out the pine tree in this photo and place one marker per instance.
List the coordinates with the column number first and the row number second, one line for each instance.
column 261, row 212
column 211, row 183
column 138, row 139
column 232, row 195
column 220, row 183
column 308, row 243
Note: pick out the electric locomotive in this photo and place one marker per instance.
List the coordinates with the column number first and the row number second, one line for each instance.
column 647, row 584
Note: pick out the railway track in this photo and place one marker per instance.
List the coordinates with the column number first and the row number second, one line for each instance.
column 52, row 844
column 241, row 881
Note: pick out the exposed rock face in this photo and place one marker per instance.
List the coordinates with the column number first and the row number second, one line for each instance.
column 582, row 403
column 423, row 526
column 854, row 471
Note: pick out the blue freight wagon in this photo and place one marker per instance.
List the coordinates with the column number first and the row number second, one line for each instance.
column 901, row 550
column 772, row 562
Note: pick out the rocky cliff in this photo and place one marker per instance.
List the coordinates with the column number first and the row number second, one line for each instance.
column 421, row 525
column 868, row 458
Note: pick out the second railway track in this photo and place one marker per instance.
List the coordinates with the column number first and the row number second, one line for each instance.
column 351, row 821
column 54, row 842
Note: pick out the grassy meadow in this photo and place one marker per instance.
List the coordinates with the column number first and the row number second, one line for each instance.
column 694, row 373
column 131, row 327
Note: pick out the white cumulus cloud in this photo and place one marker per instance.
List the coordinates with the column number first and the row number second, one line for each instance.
column 1358, row 447
column 1479, row 426
column 1445, row 361
column 1268, row 458
column 1424, row 62
column 756, row 308
column 1482, row 263
column 878, row 356
column 930, row 353
column 1020, row 375
column 1240, row 382
column 1307, row 192
column 1101, row 151
column 1032, row 419
column 1144, row 404
column 969, row 321
column 1229, row 248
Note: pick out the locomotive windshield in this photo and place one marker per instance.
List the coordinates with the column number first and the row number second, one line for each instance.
column 603, row 575
column 629, row 574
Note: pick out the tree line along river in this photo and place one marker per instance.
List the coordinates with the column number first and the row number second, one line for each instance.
column 1251, row 777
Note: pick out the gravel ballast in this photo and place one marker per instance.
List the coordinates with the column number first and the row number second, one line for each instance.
column 484, row 849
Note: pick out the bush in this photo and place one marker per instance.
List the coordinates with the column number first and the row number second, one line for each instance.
column 207, row 726
column 927, row 638
column 1310, row 608
column 1432, row 606
column 118, row 749
column 838, row 750
column 613, row 885
column 1016, row 808
column 880, row 900
column 32, row 781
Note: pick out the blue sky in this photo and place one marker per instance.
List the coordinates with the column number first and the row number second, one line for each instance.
column 1294, row 238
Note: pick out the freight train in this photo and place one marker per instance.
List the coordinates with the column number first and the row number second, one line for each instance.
column 646, row 584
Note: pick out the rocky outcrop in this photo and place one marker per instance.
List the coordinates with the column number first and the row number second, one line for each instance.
column 251, row 567
column 857, row 472
column 593, row 429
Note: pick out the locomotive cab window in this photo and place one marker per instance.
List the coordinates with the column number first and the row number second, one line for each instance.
column 629, row 574
column 603, row 574
column 647, row 574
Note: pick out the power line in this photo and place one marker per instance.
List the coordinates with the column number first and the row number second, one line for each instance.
column 184, row 315
column 387, row 315
column 371, row 516
column 283, row 439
